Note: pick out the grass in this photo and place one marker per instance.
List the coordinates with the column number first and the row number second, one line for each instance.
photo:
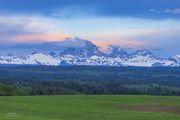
column 95, row 107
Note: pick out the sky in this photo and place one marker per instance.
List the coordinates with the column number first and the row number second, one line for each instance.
column 129, row 24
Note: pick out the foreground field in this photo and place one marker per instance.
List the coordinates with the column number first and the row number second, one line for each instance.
column 102, row 107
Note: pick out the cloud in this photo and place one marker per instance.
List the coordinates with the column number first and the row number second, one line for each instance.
column 174, row 11
column 123, row 43
column 38, row 37
column 103, row 31
column 28, row 28
column 74, row 12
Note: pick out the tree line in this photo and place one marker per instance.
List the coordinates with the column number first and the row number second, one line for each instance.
column 65, row 80
column 10, row 87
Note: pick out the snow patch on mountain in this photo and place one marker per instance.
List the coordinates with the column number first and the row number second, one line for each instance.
column 41, row 59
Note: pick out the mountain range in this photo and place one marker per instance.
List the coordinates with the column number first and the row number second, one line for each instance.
column 75, row 51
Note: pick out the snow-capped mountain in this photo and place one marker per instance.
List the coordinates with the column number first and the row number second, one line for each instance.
column 118, row 52
column 88, row 49
column 141, row 58
column 84, row 52
column 32, row 59
column 144, row 53
column 176, row 58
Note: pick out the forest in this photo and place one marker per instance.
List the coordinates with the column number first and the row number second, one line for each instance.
column 72, row 80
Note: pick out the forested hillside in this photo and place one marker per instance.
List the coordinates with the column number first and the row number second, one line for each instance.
column 46, row 80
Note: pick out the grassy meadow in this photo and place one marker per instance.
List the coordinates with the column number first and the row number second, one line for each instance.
column 90, row 107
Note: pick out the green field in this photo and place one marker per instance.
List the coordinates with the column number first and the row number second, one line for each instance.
column 81, row 107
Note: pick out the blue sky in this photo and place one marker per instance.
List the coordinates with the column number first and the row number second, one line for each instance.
column 104, row 8
column 130, row 24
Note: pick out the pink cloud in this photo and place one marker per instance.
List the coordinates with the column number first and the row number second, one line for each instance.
column 104, row 44
column 39, row 37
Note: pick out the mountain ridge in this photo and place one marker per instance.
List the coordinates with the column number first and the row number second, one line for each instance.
column 89, row 54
